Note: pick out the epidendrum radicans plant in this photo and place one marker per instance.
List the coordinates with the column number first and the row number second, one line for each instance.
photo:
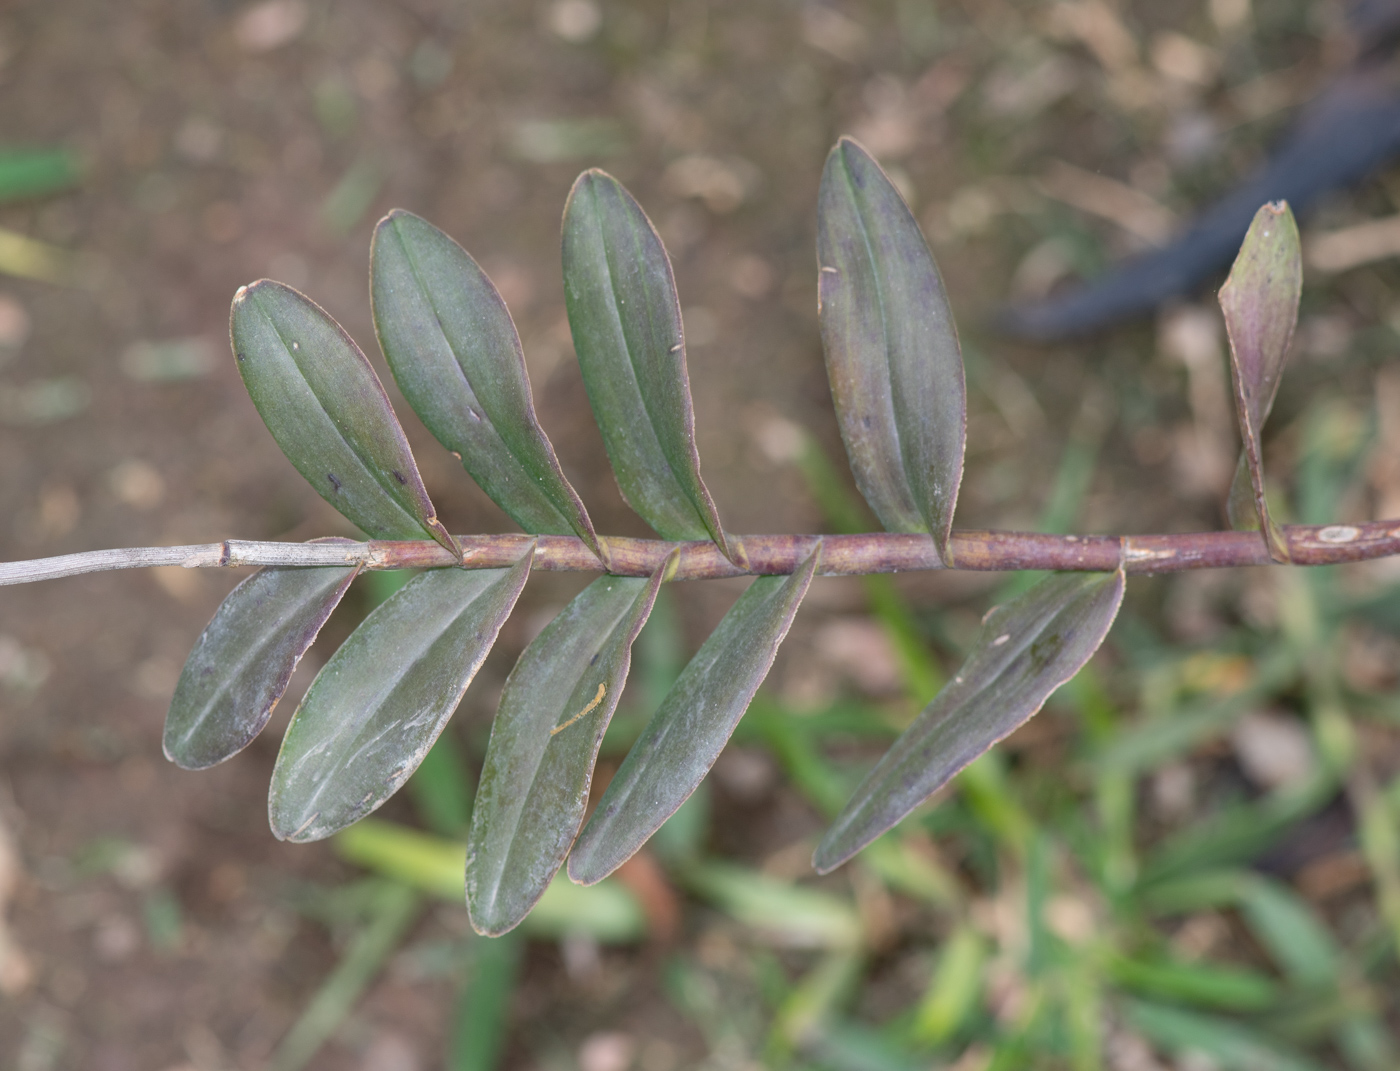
column 896, row 375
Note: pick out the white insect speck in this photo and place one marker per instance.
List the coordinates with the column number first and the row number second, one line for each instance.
column 1338, row 533
column 1001, row 639
column 296, row 345
column 675, row 349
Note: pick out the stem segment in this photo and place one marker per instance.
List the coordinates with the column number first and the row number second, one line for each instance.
column 842, row 555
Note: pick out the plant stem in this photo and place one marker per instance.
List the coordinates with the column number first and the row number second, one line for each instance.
column 842, row 555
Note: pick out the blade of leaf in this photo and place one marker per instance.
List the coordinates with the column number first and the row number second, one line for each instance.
column 37, row 172
column 328, row 412
column 554, row 709
column 1026, row 650
column 378, row 705
column 892, row 350
column 1260, row 302
column 626, row 323
column 692, row 725
column 242, row 662
column 455, row 354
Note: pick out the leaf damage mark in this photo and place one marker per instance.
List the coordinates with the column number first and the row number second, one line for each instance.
column 602, row 691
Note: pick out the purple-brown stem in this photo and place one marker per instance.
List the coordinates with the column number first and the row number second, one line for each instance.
column 842, row 555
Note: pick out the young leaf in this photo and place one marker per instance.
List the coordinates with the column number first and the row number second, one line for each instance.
column 455, row 354
column 328, row 412
column 242, row 662
column 1026, row 650
column 692, row 725
column 376, row 707
column 626, row 323
column 1260, row 302
column 554, row 709
column 891, row 348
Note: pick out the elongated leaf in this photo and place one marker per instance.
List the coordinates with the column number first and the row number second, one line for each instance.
column 455, row 354
column 692, row 725
column 376, row 707
column 242, row 662
column 1260, row 302
column 891, row 348
column 1026, row 650
column 626, row 323
column 554, row 709
column 36, row 172
column 328, row 412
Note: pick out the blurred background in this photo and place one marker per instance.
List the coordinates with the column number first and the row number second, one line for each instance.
column 1189, row 861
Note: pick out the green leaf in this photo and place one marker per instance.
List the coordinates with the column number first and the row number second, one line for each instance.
column 376, row 707
column 328, row 412
column 891, row 348
column 242, row 662
column 953, row 992
column 36, row 172
column 1209, row 984
column 792, row 916
column 1260, row 302
column 1297, row 939
column 608, row 912
column 393, row 909
column 455, row 354
column 692, row 725
column 1026, row 650
column 554, row 709
column 1233, row 1046
column 482, row 1013
column 626, row 323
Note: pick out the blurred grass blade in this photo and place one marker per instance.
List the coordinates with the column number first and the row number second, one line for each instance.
column 242, row 662
column 441, row 788
column 328, row 412
column 392, row 913
column 29, row 258
column 455, row 354
column 607, row 912
column 808, row 1009
column 351, row 197
column 483, row 1004
column 1286, row 925
column 554, row 709
column 1026, row 650
column 1230, row 1045
column 954, row 991
column 695, row 720
column 626, row 323
column 1196, row 983
column 378, row 705
column 36, row 172
column 1260, row 302
column 891, row 348
column 788, row 915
